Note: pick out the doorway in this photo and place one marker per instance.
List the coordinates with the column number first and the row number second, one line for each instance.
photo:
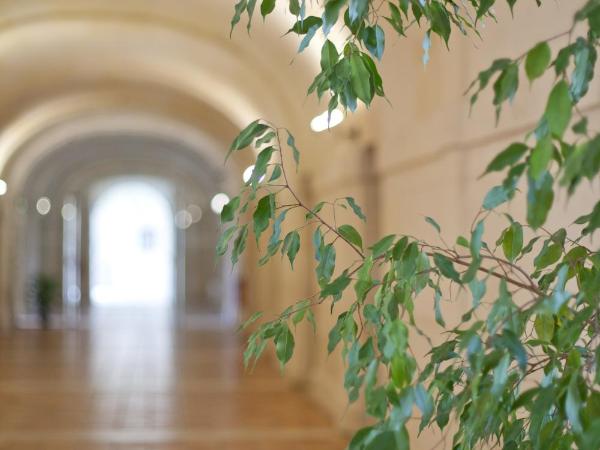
column 132, row 244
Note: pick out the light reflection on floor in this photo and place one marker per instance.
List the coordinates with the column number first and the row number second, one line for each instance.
column 132, row 381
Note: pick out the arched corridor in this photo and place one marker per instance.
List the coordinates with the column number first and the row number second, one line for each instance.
column 118, row 322
column 114, row 162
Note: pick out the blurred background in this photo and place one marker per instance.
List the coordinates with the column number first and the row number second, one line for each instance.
column 117, row 320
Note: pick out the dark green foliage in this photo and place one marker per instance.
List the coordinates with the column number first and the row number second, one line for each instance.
column 351, row 75
column 521, row 367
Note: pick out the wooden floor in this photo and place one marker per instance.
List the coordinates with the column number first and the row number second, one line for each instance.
column 129, row 381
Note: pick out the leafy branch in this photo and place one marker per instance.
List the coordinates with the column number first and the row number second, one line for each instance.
column 384, row 307
column 521, row 367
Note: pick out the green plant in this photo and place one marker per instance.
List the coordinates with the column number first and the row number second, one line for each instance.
column 44, row 289
column 522, row 369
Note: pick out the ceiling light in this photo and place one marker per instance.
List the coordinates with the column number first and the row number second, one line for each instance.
column 43, row 205
column 324, row 121
column 247, row 173
column 196, row 212
column 218, row 202
column 68, row 211
column 183, row 219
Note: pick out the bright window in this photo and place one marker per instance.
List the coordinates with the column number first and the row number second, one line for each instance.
column 132, row 245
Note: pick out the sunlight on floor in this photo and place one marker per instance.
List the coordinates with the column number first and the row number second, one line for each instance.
column 133, row 381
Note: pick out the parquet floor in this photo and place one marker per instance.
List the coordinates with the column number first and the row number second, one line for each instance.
column 130, row 380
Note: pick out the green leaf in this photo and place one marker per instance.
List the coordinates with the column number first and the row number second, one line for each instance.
column 433, row 223
column 439, row 318
column 512, row 343
column 239, row 8
column 360, row 79
column 541, row 157
column 529, row 247
column 549, row 255
column 272, row 249
column 382, row 246
column 506, row 85
column 263, row 214
column 364, row 283
column 349, row 233
column 500, row 375
column 561, row 62
column 250, row 10
column 540, row 197
column 592, row 220
column 424, row 402
column 291, row 245
column 246, row 136
column 265, row 139
column 544, row 327
column 475, row 249
column 390, row 440
column 275, row 174
column 228, row 211
column 310, row 34
column 224, row 239
column 329, row 55
column 284, row 345
column 331, row 14
column 385, row 440
column 310, row 318
column 357, row 210
column 512, row 154
column 446, row 267
column 512, row 242
column 440, row 21
column 260, row 167
column 374, row 40
column 313, row 212
column 495, row 197
column 537, row 61
column 276, row 233
column 484, row 76
column 343, row 326
column 476, row 237
column 291, row 142
column 357, row 9
column 253, row 318
column 326, row 264
column 585, row 60
column 396, row 19
column 295, row 7
column 477, row 289
column 336, row 287
column 573, row 405
column 462, row 241
column 267, row 7
column 581, row 127
column 239, row 245
column 558, row 109
column 303, row 26
column 376, row 80
column 298, row 316
column 484, row 7
column 360, row 438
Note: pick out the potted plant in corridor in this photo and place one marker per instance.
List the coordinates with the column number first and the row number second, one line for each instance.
column 44, row 292
column 521, row 369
